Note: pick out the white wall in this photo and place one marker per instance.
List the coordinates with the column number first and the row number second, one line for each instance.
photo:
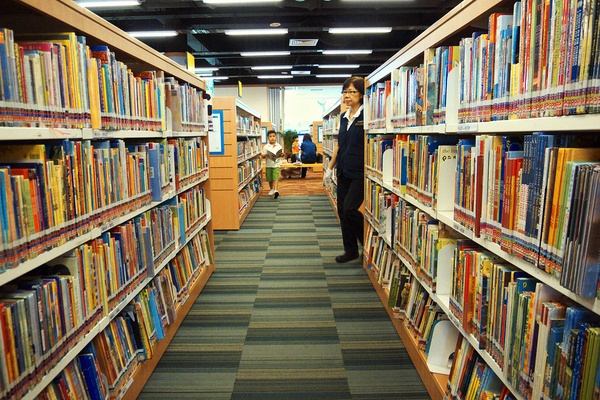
column 302, row 104
column 255, row 97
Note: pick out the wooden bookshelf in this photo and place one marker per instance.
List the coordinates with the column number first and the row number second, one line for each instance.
column 448, row 31
column 134, row 202
column 227, row 184
column 434, row 383
column 144, row 371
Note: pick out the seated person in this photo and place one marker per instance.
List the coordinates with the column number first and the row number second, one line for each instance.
column 309, row 152
column 287, row 173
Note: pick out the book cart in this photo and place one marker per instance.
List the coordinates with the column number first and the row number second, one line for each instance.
column 236, row 169
column 482, row 199
column 104, row 203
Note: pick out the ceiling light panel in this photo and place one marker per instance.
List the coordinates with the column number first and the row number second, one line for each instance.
column 109, row 4
column 268, row 67
column 274, row 76
column 264, row 53
column 340, row 66
column 333, row 75
column 345, row 52
column 252, row 32
column 153, row 34
column 360, row 31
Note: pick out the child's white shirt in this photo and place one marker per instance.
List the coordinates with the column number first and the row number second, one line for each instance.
column 272, row 148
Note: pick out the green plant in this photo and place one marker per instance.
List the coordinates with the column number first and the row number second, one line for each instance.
column 288, row 139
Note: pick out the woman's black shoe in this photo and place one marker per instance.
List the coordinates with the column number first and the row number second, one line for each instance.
column 342, row 258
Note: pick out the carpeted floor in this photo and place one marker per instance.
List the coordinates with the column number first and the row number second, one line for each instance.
column 280, row 319
column 311, row 185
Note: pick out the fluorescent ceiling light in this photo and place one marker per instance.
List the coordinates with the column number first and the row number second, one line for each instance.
column 109, row 4
column 340, row 66
column 215, row 78
column 207, row 69
column 360, row 31
column 345, row 52
column 264, row 53
column 300, row 72
column 249, row 32
column 217, row 2
column 267, row 67
column 333, row 75
column 146, row 34
column 274, row 76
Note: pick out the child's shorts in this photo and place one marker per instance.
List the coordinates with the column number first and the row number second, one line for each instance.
column 272, row 174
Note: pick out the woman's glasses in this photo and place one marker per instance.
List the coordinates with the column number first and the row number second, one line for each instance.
column 345, row 92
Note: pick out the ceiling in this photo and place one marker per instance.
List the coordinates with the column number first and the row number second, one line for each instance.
column 201, row 30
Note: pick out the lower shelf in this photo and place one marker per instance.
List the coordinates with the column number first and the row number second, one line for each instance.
column 434, row 383
column 143, row 372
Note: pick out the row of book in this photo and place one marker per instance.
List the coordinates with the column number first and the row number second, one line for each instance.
column 248, row 125
column 248, row 192
column 72, row 291
column 542, row 60
column 248, row 148
column 51, row 193
column 543, row 344
column 103, row 370
column 511, row 197
column 57, row 80
column 430, row 327
column 247, row 170
column 501, row 189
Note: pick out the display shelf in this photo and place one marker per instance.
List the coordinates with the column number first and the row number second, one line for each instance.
column 238, row 167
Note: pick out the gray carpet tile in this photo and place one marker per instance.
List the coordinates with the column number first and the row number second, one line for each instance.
column 280, row 319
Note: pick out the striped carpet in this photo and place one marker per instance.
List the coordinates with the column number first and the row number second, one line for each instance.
column 280, row 319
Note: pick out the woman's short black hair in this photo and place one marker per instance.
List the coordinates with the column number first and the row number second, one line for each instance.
column 358, row 83
column 307, row 138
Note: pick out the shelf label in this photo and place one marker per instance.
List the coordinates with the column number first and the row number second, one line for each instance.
column 468, row 127
column 459, row 228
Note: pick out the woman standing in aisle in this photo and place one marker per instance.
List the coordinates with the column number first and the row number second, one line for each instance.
column 309, row 152
column 348, row 158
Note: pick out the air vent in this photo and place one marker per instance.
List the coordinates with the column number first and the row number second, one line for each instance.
column 303, row 42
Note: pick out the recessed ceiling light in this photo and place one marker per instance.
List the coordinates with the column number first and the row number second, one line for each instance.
column 340, row 66
column 267, row 67
column 360, row 31
column 345, row 52
column 274, row 76
column 146, row 34
column 249, row 32
column 109, row 4
column 264, row 53
column 300, row 72
column 274, row 24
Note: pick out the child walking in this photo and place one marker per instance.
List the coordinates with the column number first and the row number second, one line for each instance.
column 273, row 153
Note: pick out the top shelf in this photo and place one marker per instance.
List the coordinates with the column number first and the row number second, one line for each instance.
column 57, row 15
column 460, row 18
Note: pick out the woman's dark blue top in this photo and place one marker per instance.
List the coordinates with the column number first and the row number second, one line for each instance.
column 351, row 152
column 309, row 152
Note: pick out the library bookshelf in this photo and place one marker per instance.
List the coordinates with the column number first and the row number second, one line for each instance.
column 472, row 238
column 315, row 128
column 236, row 172
column 106, row 211
column 331, row 127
